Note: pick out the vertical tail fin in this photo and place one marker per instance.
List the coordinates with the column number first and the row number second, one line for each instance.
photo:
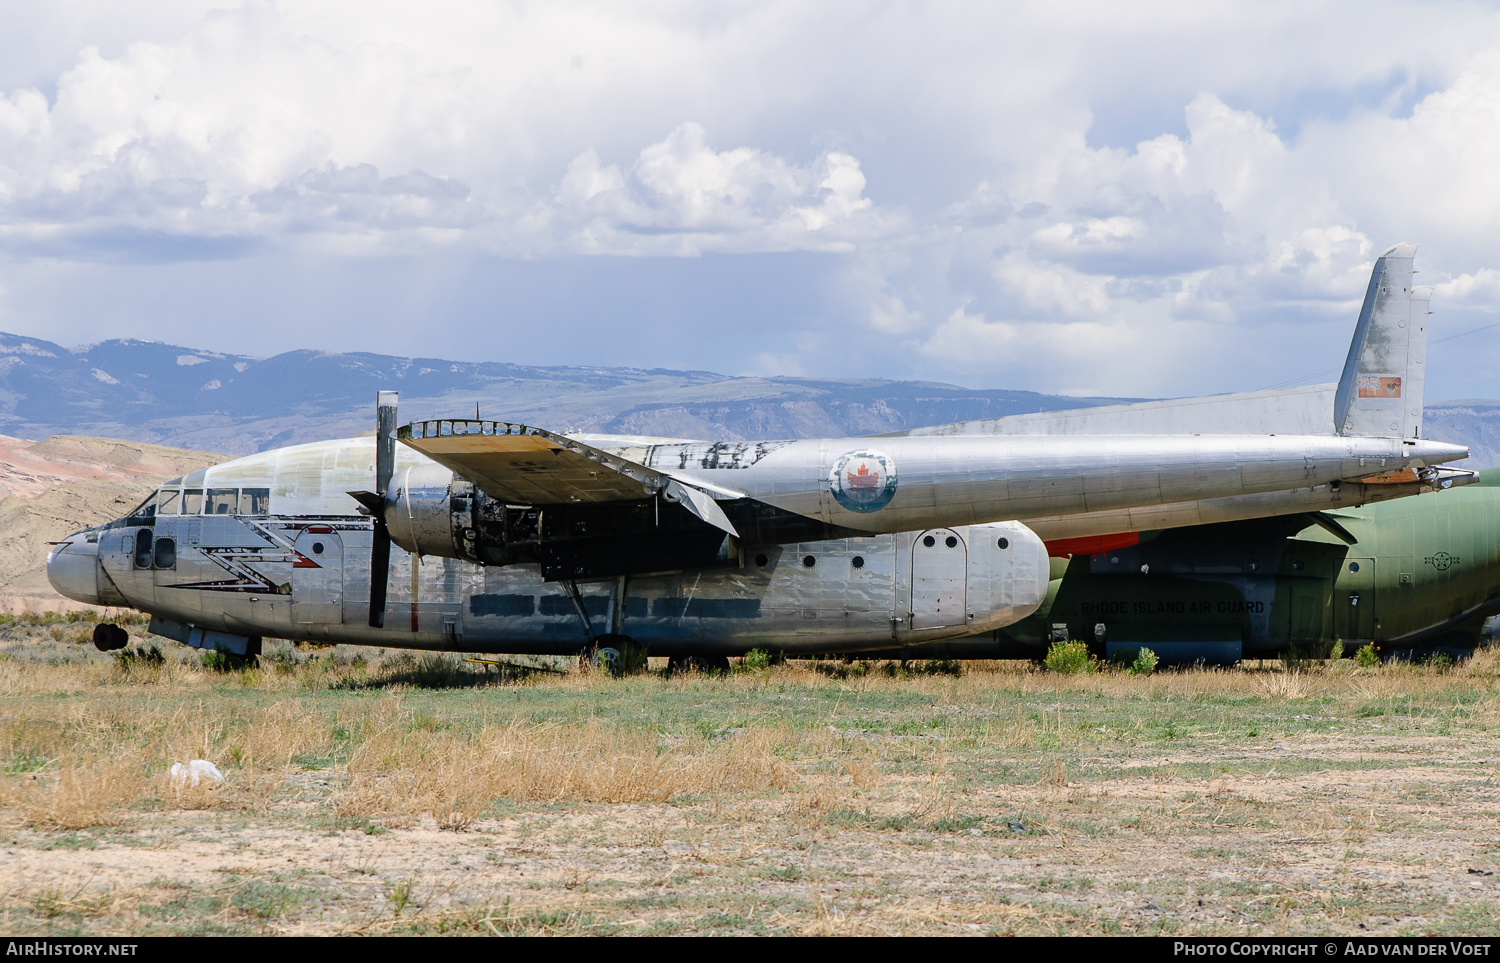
column 1380, row 391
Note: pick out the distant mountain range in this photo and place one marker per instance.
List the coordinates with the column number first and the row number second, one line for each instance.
column 172, row 395
column 183, row 397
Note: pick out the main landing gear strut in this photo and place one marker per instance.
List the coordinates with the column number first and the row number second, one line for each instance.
column 613, row 652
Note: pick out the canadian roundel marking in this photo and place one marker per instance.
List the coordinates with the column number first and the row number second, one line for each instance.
column 863, row 481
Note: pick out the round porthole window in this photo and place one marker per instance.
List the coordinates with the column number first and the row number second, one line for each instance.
column 951, row 542
column 317, row 548
column 808, row 561
column 1354, row 566
column 858, row 561
column 929, row 541
column 762, row 561
column 1004, row 543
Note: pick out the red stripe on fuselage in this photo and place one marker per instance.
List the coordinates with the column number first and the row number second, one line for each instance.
column 1092, row 544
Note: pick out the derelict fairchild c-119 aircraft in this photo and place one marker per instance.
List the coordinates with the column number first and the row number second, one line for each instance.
column 491, row 537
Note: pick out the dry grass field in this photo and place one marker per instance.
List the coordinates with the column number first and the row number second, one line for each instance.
column 394, row 794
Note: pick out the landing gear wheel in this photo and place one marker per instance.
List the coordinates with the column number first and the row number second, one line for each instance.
column 109, row 637
column 628, row 654
column 610, row 661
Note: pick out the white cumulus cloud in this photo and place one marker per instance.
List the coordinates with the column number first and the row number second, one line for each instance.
column 1095, row 197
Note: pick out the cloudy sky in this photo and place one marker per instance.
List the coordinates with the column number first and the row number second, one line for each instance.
column 1146, row 200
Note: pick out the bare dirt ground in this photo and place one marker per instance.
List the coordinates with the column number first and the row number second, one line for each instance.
column 397, row 794
column 52, row 488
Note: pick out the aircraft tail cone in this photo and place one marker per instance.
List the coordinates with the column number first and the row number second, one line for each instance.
column 1423, row 452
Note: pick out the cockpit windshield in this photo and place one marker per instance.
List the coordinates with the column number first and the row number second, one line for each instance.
column 146, row 509
column 222, row 501
column 219, row 501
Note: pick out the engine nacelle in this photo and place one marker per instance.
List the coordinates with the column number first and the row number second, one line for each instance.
column 431, row 512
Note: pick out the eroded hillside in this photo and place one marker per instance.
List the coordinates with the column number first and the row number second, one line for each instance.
column 52, row 487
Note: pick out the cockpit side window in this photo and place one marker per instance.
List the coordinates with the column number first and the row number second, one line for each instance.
column 192, row 501
column 169, row 501
column 145, row 509
column 143, row 548
column 222, row 501
column 255, row 501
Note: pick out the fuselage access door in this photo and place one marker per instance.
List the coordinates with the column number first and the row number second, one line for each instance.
column 318, row 577
column 939, row 580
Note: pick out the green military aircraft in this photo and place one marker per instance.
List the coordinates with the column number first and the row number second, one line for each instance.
column 1413, row 577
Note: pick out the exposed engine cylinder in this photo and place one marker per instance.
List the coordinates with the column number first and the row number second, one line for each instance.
column 431, row 512
column 428, row 511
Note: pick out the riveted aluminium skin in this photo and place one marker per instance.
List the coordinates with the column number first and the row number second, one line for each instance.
column 504, row 609
column 1422, row 574
column 946, row 481
column 970, row 480
column 232, row 573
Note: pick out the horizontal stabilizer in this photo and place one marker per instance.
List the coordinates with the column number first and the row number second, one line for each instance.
column 1285, row 411
column 1331, row 525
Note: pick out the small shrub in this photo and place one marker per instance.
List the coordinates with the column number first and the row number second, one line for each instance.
column 399, row 893
column 216, row 661
column 269, row 900
column 1145, row 662
column 1070, row 658
column 1366, row 657
column 399, row 662
column 1337, row 652
column 152, row 657
column 279, row 653
column 757, row 659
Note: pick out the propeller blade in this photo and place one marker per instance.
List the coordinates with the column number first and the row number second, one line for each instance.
column 373, row 503
column 385, row 440
column 380, row 572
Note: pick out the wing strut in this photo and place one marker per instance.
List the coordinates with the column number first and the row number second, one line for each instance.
column 583, row 616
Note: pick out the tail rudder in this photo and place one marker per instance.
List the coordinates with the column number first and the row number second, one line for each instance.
column 1416, row 356
column 1380, row 391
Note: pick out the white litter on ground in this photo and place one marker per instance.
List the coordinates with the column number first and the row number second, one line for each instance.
column 195, row 772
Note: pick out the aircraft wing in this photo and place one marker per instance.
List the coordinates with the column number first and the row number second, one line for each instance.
column 532, row 466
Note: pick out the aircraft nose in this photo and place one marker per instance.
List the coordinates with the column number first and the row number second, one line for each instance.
column 73, row 569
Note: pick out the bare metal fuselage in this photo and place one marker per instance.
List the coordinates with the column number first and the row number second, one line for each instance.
column 301, row 571
column 936, row 560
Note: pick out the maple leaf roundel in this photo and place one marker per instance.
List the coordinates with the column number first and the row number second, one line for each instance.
column 863, row 481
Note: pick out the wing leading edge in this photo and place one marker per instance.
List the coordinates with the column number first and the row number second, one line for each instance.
column 532, row 466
